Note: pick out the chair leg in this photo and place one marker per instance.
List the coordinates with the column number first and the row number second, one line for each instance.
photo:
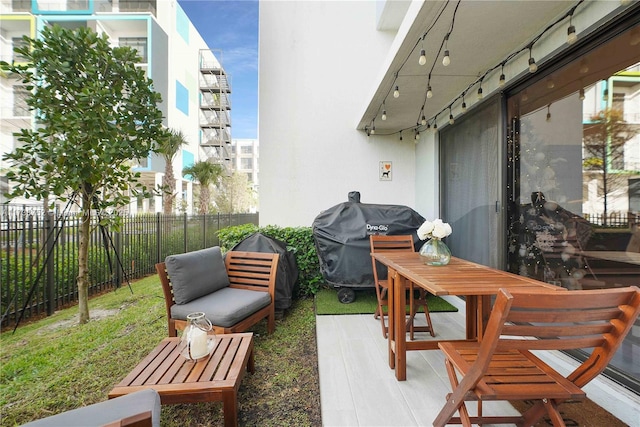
column 427, row 314
column 412, row 311
column 382, row 295
column 554, row 415
column 453, row 403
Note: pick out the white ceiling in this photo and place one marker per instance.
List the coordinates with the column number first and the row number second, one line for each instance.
column 485, row 32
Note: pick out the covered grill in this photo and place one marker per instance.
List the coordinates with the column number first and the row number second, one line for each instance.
column 341, row 234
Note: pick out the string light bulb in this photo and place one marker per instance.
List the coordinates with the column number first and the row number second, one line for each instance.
column 417, row 137
column 451, row 119
column 423, row 57
column 429, row 92
column 445, row 59
column 548, row 112
column 396, row 92
column 423, row 121
column 400, row 135
column 384, row 115
column 581, row 94
column 503, row 79
column 550, row 83
column 584, row 66
column 464, row 106
column 572, row 37
column 533, row 67
column 480, row 93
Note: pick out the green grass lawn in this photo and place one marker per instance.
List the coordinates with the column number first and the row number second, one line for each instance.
column 54, row 364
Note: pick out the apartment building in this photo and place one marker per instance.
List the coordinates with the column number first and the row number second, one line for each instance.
column 245, row 155
column 186, row 72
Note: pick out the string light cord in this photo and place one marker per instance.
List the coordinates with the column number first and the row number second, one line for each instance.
column 509, row 57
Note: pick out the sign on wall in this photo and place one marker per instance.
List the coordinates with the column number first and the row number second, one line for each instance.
column 385, row 171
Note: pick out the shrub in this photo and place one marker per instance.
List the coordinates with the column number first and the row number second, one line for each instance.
column 299, row 240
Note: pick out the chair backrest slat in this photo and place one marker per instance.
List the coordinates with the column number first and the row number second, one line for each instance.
column 597, row 319
column 251, row 270
column 381, row 243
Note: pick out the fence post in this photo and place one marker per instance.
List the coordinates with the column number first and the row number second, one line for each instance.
column 158, row 237
column 50, row 259
column 184, row 229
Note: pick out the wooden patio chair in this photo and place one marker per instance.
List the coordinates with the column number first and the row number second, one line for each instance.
column 503, row 367
column 244, row 295
column 380, row 243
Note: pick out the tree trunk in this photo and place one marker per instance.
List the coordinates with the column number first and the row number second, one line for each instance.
column 169, row 183
column 83, row 260
column 205, row 199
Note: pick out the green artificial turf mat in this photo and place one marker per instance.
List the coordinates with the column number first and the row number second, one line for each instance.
column 366, row 302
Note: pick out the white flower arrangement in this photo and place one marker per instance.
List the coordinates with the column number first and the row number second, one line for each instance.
column 435, row 229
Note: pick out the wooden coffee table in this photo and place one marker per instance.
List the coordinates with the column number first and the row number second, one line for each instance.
column 215, row 378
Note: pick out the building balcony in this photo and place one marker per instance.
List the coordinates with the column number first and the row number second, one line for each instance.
column 148, row 6
column 215, row 104
column 220, row 139
column 214, row 83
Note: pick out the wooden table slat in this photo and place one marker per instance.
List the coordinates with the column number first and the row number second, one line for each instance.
column 214, row 362
column 225, row 364
column 149, row 364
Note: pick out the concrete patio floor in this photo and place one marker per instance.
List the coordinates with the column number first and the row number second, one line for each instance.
column 357, row 387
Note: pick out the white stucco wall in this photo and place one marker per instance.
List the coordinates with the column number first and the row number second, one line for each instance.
column 318, row 61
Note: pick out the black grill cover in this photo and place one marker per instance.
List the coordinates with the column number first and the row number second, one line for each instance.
column 341, row 235
column 287, row 273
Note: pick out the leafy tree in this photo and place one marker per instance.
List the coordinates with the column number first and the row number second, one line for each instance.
column 169, row 147
column 234, row 194
column 604, row 140
column 95, row 113
column 205, row 173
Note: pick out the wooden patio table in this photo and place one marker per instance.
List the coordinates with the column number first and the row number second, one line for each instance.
column 476, row 282
column 214, row 378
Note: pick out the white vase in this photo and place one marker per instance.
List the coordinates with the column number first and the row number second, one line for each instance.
column 435, row 252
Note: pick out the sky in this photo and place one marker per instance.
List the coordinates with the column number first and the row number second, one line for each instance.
column 230, row 29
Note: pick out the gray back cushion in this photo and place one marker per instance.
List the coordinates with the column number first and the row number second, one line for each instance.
column 196, row 274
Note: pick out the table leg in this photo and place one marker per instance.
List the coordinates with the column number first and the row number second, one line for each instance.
column 251, row 365
column 390, row 316
column 471, row 303
column 230, row 408
column 400, row 304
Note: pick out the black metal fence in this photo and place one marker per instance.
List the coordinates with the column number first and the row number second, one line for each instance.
column 615, row 219
column 39, row 251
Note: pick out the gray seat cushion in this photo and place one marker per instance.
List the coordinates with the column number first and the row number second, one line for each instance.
column 106, row 412
column 225, row 307
column 195, row 274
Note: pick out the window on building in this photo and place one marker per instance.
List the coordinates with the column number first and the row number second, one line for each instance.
column 139, row 44
column 18, row 42
column 20, row 95
column 246, row 163
column 21, row 5
column 247, row 149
